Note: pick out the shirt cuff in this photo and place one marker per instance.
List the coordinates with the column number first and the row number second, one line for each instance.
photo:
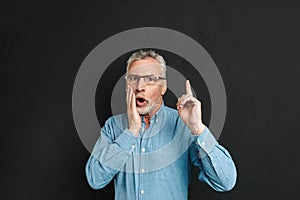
column 206, row 141
column 126, row 141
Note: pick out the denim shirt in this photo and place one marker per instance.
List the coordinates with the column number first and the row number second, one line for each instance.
column 157, row 164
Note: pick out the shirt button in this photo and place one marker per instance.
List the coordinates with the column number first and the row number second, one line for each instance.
column 142, row 191
column 203, row 143
column 132, row 146
column 156, row 120
column 143, row 149
column 142, row 170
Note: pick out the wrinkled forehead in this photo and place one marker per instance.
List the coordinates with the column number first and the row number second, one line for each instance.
column 145, row 69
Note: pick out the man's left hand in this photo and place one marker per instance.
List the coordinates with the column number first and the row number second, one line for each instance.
column 189, row 110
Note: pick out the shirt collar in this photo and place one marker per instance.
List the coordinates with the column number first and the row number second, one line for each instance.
column 158, row 114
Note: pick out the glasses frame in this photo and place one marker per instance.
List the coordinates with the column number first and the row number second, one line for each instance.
column 156, row 77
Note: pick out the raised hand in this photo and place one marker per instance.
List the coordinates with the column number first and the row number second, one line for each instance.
column 134, row 119
column 189, row 110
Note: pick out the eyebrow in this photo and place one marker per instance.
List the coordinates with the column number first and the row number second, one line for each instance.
column 143, row 75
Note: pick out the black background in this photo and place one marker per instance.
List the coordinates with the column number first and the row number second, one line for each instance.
column 255, row 45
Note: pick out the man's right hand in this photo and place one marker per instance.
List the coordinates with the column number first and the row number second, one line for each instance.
column 134, row 119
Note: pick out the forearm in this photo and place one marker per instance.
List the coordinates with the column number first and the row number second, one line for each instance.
column 217, row 167
column 108, row 158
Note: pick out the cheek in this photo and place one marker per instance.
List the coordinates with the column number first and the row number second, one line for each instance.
column 156, row 94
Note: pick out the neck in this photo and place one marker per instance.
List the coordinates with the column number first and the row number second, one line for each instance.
column 148, row 116
column 147, row 120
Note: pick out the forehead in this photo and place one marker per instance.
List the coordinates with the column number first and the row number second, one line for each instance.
column 145, row 66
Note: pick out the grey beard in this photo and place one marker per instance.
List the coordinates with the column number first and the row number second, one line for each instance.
column 148, row 109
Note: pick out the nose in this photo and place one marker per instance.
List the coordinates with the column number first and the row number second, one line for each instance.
column 140, row 85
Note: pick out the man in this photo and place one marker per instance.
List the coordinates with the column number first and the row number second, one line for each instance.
column 150, row 150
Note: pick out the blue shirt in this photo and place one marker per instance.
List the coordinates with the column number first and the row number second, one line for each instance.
column 157, row 164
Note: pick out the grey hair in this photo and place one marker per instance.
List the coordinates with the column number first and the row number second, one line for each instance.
column 141, row 54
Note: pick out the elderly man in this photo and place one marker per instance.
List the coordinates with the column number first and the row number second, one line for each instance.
column 149, row 151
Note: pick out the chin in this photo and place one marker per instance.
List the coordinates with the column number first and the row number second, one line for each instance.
column 147, row 110
column 143, row 111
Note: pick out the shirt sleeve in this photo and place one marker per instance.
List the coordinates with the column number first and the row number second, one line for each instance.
column 217, row 168
column 109, row 156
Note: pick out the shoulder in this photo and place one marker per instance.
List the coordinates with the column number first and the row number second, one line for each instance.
column 171, row 111
column 171, row 115
column 119, row 120
column 115, row 125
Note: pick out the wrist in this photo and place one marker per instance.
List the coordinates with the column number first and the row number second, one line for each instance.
column 197, row 130
column 134, row 130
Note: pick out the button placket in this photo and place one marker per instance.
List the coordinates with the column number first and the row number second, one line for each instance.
column 141, row 163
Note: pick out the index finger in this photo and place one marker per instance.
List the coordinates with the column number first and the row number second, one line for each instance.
column 127, row 93
column 188, row 89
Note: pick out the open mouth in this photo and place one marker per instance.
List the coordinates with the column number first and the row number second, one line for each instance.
column 140, row 101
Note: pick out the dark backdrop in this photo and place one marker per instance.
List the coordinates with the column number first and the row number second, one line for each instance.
column 255, row 45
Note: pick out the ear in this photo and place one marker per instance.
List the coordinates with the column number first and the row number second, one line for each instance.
column 163, row 89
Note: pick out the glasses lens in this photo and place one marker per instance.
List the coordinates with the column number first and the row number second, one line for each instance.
column 150, row 79
column 133, row 79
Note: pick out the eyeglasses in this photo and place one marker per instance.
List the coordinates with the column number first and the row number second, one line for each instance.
column 148, row 79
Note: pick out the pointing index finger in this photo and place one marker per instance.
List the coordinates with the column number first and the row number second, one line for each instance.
column 188, row 88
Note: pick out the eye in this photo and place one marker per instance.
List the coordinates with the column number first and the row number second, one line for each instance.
column 151, row 79
column 132, row 78
column 135, row 78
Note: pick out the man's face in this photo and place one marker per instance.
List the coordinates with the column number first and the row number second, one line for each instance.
column 148, row 96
